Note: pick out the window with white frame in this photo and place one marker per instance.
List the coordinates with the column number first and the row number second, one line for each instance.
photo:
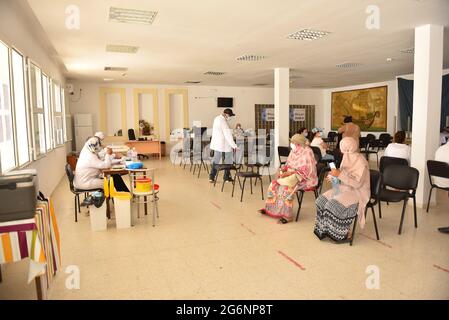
column 7, row 151
column 46, row 95
column 58, row 115
column 37, row 107
column 64, row 115
column 20, row 110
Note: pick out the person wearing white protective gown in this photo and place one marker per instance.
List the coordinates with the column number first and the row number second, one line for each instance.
column 89, row 166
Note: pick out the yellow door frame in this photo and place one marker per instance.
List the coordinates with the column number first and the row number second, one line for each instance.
column 185, row 95
column 103, row 117
column 153, row 92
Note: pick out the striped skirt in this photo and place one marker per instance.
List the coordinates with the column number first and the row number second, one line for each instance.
column 333, row 220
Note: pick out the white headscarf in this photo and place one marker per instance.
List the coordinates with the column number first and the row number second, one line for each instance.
column 100, row 135
column 93, row 145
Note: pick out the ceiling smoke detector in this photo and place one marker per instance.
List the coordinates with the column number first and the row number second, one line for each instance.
column 131, row 16
column 408, row 50
column 214, row 73
column 121, row 48
column 348, row 65
column 308, row 34
column 250, row 57
column 122, row 69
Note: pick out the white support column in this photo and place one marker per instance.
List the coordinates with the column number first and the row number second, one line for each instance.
column 281, row 109
column 426, row 102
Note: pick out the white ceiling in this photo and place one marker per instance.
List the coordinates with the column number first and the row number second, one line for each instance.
column 189, row 38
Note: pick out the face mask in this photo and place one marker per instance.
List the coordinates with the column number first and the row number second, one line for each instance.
column 293, row 146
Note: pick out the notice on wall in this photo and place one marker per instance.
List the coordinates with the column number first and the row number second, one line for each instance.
column 268, row 114
column 298, row 114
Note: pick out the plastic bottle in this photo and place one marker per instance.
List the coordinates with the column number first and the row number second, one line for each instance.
column 129, row 154
column 335, row 185
column 134, row 155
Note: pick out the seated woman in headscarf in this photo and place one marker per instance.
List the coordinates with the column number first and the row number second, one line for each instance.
column 337, row 208
column 298, row 173
column 89, row 166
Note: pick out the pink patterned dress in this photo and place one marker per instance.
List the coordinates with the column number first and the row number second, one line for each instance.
column 281, row 192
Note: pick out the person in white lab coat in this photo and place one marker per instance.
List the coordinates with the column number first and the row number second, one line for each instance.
column 222, row 143
column 89, row 166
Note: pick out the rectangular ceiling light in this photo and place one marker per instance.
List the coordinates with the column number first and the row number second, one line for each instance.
column 307, row 34
column 131, row 16
column 115, row 69
column 214, row 73
column 348, row 65
column 121, row 48
column 250, row 57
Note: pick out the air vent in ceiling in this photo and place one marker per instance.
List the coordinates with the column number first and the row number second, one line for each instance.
column 122, row 69
column 250, row 57
column 121, row 48
column 192, row 82
column 307, row 34
column 348, row 65
column 131, row 16
column 408, row 50
column 296, row 77
column 214, row 73
column 260, row 84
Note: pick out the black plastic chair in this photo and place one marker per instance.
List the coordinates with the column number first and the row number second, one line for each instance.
column 436, row 169
column 404, row 180
column 283, row 152
column 247, row 175
column 384, row 140
column 388, row 161
column 316, row 153
column 331, row 136
column 370, row 144
column 75, row 191
column 375, row 180
column 321, row 171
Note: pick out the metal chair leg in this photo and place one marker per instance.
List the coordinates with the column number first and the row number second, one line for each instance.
column 223, row 184
column 300, row 198
column 243, row 189
column 430, row 195
column 414, row 212
column 79, row 204
column 380, row 211
column 402, row 216
column 76, row 210
column 353, row 230
column 261, row 187
column 375, row 223
column 251, row 184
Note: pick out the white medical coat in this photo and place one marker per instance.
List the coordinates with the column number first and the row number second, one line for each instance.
column 88, row 170
column 222, row 139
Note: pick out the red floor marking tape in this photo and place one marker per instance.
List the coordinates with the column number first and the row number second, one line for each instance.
column 248, row 229
column 216, row 205
column 381, row 242
column 291, row 260
column 441, row 268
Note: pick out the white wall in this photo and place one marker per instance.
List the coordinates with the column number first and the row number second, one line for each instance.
column 202, row 102
column 19, row 28
column 391, row 104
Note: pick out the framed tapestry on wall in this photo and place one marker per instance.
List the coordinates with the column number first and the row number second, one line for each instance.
column 368, row 108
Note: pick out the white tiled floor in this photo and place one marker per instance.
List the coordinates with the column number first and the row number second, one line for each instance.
column 207, row 245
